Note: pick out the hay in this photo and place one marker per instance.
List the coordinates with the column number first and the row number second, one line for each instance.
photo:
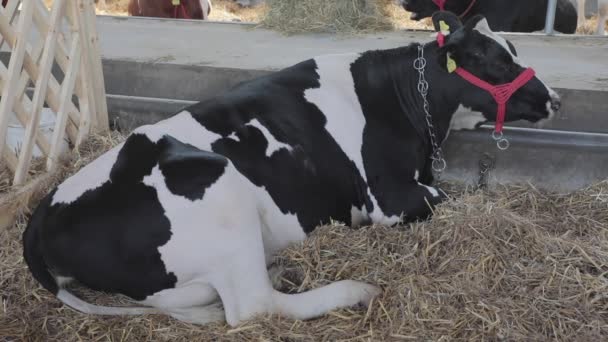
column 320, row 16
column 513, row 263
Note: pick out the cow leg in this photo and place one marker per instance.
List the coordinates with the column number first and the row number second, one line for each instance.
column 245, row 289
column 198, row 314
column 581, row 13
column 196, row 303
column 421, row 201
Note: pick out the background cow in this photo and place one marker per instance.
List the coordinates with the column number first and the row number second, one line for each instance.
column 502, row 15
column 182, row 9
column 189, row 212
column 602, row 7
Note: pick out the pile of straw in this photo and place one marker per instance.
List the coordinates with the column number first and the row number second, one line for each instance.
column 321, row 16
column 512, row 263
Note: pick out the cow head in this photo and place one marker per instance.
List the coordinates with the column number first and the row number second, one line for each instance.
column 421, row 9
column 491, row 58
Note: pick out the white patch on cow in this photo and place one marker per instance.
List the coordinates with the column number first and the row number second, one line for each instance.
column 183, row 127
column 543, row 122
column 232, row 210
column 483, row 28
column 430, row 189
column 62, row 281
column 273, row 144
column 205, row 7
column 464, row 118
column 337, row 100
column 234, row 137
column 88, row 178
column 357, row 216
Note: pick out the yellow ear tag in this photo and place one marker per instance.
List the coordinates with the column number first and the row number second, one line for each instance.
column 175, row 2
column 451, row 64
column 444, row 28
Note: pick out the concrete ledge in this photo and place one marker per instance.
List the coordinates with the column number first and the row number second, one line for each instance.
column 564, row 61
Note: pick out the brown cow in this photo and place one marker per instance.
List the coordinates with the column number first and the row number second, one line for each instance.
column 178, row 9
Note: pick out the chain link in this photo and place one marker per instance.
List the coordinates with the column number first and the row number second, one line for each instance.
column 439, row 164
column 486, row 164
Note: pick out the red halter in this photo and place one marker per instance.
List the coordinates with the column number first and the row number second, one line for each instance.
column 441, row 5
column 501, row 93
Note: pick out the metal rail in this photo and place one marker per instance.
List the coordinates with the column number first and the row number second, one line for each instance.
column 550, row 18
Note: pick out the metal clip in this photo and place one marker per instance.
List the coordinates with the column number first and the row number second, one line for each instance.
column 501, row 142
column 439, row 165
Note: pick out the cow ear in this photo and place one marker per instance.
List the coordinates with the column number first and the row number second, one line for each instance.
column 188, row 171
column 446, row 22
column 447, row 53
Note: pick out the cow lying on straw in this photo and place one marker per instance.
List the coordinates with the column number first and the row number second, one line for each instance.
column 187, row 213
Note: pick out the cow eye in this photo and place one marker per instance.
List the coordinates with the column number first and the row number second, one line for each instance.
column 477, row 55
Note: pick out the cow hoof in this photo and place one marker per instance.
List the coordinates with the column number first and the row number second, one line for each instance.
column 364, row 292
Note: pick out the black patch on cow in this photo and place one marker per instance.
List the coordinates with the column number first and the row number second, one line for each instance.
column 395, row 137
column 108, row 239
column 188, row 171
column 315, row 180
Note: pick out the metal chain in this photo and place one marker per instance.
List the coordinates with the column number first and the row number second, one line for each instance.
column 486, row 164
column 438, row 163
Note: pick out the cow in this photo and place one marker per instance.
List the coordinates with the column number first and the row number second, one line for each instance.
column 502, row 15
column 187, row 213
column 602, row 6
column 177, row 9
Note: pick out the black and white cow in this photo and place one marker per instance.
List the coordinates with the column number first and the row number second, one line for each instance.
column 188, row 213
column 502, row 15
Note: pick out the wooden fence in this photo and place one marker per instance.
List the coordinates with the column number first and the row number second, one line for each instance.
column 54, row 67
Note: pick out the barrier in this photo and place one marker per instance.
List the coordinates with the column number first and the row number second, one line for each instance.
column 40, row 38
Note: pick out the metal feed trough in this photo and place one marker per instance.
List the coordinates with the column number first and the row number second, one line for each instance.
column 154, row 67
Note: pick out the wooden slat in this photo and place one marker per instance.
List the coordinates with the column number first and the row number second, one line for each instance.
column 21, row 110
column 10, row 158
column 90, row 45
column 14, row 66
column 61, row 54
column 9, row 11
column 66, row 98
column 40, row 90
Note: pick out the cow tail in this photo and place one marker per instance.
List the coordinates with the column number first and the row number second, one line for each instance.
column 34, row 258
column 32, row 251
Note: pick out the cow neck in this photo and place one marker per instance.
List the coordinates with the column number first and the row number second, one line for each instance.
column 443, row 94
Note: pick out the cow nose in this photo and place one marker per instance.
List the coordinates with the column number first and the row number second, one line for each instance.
column 556, row 103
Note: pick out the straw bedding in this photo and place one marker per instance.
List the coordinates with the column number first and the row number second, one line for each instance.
column 511, row 263
column 316, row 16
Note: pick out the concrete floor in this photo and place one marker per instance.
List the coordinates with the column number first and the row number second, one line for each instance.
column 564, row 61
